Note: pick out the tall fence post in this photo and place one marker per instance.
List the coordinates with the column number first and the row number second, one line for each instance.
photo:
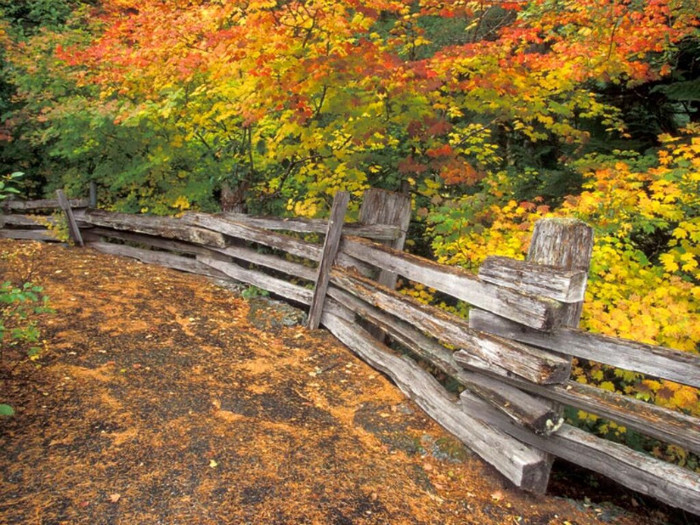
column 330, row 249
column 93, row 194
column 72, row 224
column 386, row 207
column 565, row 244
column 394, row 209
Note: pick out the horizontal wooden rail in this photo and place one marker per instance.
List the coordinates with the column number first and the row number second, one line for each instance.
column 568, row 286
column 29, row 221
column 222, row 225
column 523, row 465
column 43, row 204
column 273, row 262
column 167, row 227
column 537, row 312
column 536, row 365
column 278, row 241
column 379, row 232
column 255, row 278
column 681, row 367
column 29, row 235
column 242, row 253
column 169, row 260
column 151, row 241
column 651, row 420
column 669, row 483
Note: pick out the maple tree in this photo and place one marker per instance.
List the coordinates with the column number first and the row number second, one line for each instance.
column 294, row 101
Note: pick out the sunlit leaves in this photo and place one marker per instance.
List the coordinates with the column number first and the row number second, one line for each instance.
column 258, row 92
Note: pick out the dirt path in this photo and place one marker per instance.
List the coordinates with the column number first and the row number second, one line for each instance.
column 167, row 399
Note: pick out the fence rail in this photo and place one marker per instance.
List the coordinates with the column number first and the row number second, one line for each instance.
column 512, row 357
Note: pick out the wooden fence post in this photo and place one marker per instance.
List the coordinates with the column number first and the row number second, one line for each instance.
column 565, row 244
column 93, row 194
column 386, row 207
column 73, row 229
column 330, row 249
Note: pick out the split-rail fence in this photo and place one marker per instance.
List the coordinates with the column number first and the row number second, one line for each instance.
column 512, row 357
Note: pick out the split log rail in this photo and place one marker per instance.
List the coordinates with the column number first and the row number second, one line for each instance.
column 513, row 356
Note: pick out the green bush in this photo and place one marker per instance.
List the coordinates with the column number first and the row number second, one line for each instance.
column 19, row 334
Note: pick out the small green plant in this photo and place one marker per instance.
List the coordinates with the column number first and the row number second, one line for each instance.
column 21, row 301
column 7, row 182
column 253, row 291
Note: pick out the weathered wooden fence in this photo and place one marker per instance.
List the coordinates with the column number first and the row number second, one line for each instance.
column 513, row 357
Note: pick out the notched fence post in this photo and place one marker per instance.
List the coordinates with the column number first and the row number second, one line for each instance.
column 560, row 248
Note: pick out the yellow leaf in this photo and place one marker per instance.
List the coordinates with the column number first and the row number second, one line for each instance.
column 669, row 262
column 685, row 397
column 680, row 233
column 607, row 385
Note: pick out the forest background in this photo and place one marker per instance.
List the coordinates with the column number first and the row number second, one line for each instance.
column 490, row 114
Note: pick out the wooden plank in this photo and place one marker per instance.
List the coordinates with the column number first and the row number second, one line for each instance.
column 42, row 204
column 73, row 229
column 238, row 252
column 29, row 235
column 666, row 482
column 95, row 234
column 291, row 245
column 538, row 312
column 674, row 365
column 158, row 226
column 567, row 286
column 259, row 279
column 531, row 363
column 526, row 409
column 288, row 244
column 519, row 463
column 658, row 422
column 383, row 232
column 522, row 408
column 169, row 260
column 27, row 221
column 273, row 262
column 330, row 250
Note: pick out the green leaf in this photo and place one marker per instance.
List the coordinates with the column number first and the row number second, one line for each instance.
column 6, row 410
